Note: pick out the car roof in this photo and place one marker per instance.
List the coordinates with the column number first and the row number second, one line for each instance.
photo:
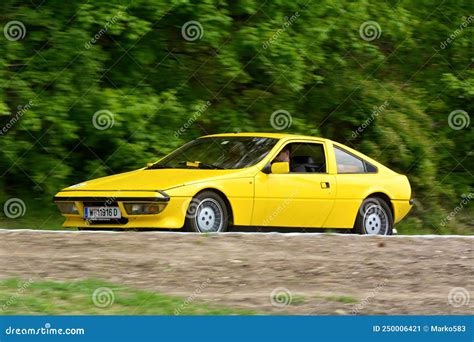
column 285, row 136
column 264, row 135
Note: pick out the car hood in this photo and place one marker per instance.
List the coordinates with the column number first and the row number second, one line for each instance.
column 145, row 179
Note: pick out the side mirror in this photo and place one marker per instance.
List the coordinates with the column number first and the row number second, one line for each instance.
column 280, row 167
column 148, row 165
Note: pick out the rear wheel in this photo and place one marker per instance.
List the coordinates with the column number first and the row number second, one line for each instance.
column 207, row 213
column 374, row 218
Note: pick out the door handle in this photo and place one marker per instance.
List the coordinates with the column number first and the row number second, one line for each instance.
column 325, row 185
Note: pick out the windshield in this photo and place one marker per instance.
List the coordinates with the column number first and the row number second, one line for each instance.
column 218, row 153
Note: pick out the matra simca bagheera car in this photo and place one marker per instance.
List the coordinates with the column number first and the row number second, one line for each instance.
column 221, row 181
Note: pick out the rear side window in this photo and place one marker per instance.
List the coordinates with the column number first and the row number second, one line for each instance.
column 369, row 168
column 347, row 163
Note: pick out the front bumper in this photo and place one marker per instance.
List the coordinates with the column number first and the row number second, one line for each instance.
column 172, row 216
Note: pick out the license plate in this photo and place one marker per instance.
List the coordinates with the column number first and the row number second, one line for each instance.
column 102, row 213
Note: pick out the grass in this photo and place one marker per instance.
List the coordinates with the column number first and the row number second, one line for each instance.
column 18, row 297
column 341, row 299
column 294, row 300
column 37, row 214
column 298, row 300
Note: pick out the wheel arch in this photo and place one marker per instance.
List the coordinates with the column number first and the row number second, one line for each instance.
column 384, row 197
column 224, row 198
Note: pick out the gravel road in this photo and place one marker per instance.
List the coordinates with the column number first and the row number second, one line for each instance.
column 316, row 273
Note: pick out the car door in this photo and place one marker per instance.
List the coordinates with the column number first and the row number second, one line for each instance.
column 354, row 177
column 303, row 197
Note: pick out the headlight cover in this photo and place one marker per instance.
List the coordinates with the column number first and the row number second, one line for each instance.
column 143, row 208
column 67, row 208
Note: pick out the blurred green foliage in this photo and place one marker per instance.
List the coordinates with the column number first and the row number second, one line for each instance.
column 305, row 57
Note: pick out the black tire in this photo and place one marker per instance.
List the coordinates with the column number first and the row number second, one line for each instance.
column 207, row 213
column 374, row 217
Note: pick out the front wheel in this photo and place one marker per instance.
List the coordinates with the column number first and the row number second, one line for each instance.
column 207, row 213
column 374, row 218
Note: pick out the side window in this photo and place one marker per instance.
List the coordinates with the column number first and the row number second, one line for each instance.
column 347, row 163
column 304, row 157
column 369, row 168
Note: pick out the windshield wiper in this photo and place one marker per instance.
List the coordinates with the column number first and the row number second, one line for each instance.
column 201, row 165
column 210, row 166
column 159, row 166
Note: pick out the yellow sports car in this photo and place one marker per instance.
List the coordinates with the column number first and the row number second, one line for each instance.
column 248, row 179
